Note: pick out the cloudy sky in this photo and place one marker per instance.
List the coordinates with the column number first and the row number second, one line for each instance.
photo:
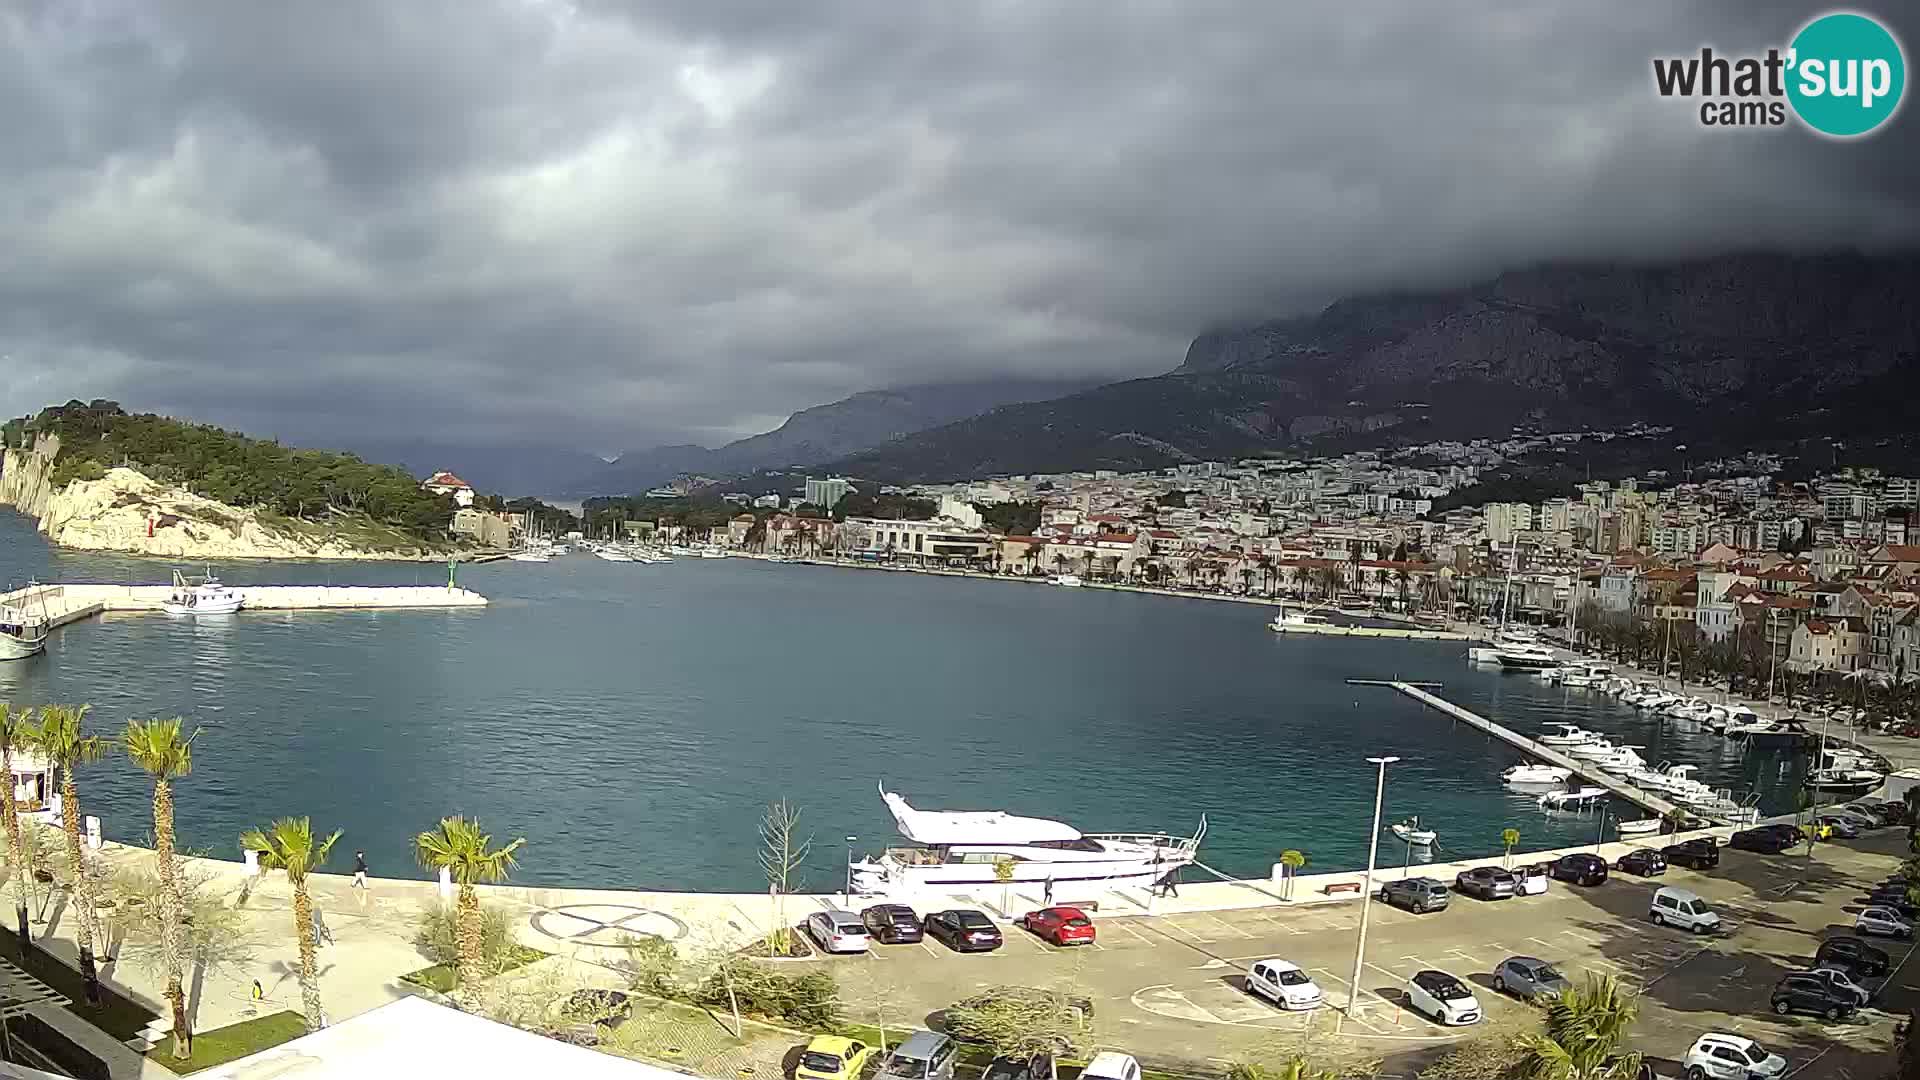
column 606, row 225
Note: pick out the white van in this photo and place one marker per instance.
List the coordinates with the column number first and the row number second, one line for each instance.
column 1680, row 907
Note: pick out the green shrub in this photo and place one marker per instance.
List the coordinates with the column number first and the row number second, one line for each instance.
column 438, row 939
column 652, row 966
column 810, row 1000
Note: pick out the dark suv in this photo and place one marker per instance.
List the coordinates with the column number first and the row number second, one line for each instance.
column 1851, row 953
column 892, row 924
column 1767, row 839
column 1418, row 895
column 1643, row 861
column 1580, row 868
column 1700, row 854
column 1809, row 993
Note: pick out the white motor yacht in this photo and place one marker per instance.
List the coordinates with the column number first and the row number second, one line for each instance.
column 1531, row 773
column 1525, row 657
column 1624, row 761
column 1561, row 800
column 959, row 848
column 1071, row 581
column 1592, row 751
column 1567, row 735
column 1300, row 621
column 529, row 555
column 612, row 555
column 203, row 595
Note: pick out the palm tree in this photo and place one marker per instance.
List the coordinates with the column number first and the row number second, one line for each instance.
column 67, row 749
column 1509, row 839
column 156, row 746
column 287, row 845
column 16, row 733
column 459, row 847
column 1586, row 1035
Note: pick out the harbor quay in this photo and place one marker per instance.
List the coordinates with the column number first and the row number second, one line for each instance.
column 71, row 602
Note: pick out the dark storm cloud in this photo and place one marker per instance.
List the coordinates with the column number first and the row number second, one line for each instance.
column 612, row 224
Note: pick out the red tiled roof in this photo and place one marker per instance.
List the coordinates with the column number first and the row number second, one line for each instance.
column 446, row 479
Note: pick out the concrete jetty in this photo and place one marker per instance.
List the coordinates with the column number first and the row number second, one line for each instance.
column 69, row 603
column 1584, row 770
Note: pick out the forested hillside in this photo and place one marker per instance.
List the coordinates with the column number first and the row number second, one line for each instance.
column 230, row 467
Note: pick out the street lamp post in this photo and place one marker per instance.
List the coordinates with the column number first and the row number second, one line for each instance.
column 850, row 841
column 1366, row 894
column 1600, row 833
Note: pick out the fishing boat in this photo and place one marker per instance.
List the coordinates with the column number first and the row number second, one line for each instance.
column 1300, row 621
column 203, row 595
column 966, row 848
column 1530, row 773
column 1411, row 832
column 1641, row 827
column 23, row 632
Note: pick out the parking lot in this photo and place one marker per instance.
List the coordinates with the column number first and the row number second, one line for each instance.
column 1170, row 988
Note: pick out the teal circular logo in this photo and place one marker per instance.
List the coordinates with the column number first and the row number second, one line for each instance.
column 1847, row 74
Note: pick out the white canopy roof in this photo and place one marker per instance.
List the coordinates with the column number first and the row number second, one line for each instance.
column 973, row 826
column 415, row 1037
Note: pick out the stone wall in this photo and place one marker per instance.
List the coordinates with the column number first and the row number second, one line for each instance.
column 26, row 476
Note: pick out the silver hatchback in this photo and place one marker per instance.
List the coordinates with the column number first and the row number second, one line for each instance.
column 1529, row 977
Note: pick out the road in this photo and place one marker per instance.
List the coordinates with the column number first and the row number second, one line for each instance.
column 1169, row 988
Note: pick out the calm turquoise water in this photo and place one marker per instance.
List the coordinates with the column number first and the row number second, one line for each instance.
column 632, row 721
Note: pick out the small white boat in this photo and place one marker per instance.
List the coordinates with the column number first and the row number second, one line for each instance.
column 712, row 553
column 1567, row 735
column 528, row 556
column 1638, row 828
column 1300, row 621
column 1071, row 581
column 201, row 596
column 612, row 555
column 1411, row 832
column 1560, row 800
column 1526, row 657
column 1536, row 774
column 21, row 635
column 1594, row 750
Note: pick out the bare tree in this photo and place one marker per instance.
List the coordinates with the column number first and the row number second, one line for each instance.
column 782, row 852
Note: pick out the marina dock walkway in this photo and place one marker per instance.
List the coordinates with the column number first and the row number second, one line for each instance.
column 65, row 604
column 1582, row 769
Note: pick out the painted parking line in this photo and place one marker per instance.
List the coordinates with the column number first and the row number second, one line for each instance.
column 1467, row 956
column 1171, row 925
column 1223, row 924
column 1020, row 934
column 1582, row 938
column 1134, row 933
column 931, row 951
column 1548, row 944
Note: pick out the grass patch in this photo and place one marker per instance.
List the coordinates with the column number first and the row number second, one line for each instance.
column 446, row 977
column 117, row 1014
column 221, row 1045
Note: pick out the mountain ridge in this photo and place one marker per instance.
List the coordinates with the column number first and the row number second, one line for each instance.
column 1736, row 346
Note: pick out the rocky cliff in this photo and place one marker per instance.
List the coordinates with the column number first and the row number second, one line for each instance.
column 126, row 511
column 26, row 476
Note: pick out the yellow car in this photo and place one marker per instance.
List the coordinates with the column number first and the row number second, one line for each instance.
column 833, row 1057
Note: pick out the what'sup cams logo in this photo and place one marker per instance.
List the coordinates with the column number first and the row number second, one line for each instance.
column 1843, row 75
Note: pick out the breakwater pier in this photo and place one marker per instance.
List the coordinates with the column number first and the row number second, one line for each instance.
column 68, row 603
column 1423, row 693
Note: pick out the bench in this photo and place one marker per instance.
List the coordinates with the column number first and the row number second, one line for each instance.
column 1331, row 888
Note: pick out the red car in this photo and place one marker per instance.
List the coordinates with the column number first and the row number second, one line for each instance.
column 1060, row 925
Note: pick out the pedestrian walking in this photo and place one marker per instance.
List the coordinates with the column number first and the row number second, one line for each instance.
column 1046, row 893
column 359, row 869
column 322, row 934
column 1167, row 886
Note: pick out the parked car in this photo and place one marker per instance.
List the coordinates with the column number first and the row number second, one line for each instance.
column 1840, row 825
column 1887, row 813
column 963, row 930
column 832, row 1057
column 1283, row 983
column 1807, row 993
column 1883, row 921
column 1108, row 1065
column 1486, row 882
column 1060, row 925
column 1764, row 840
column 1698, row 853
column 1418, row 895
column 838, row 931
column 1858, row 818
column 1852, row 954
column 1645, row 862
column 1718, row 1056
column 1020, row 1067
column 1529, row 977
column 1682, row 908
column 922, row 1055
column 1533, row 879
column 892, row 924
column 1442, row 997
column 1580, row 868
column 1841, row 983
